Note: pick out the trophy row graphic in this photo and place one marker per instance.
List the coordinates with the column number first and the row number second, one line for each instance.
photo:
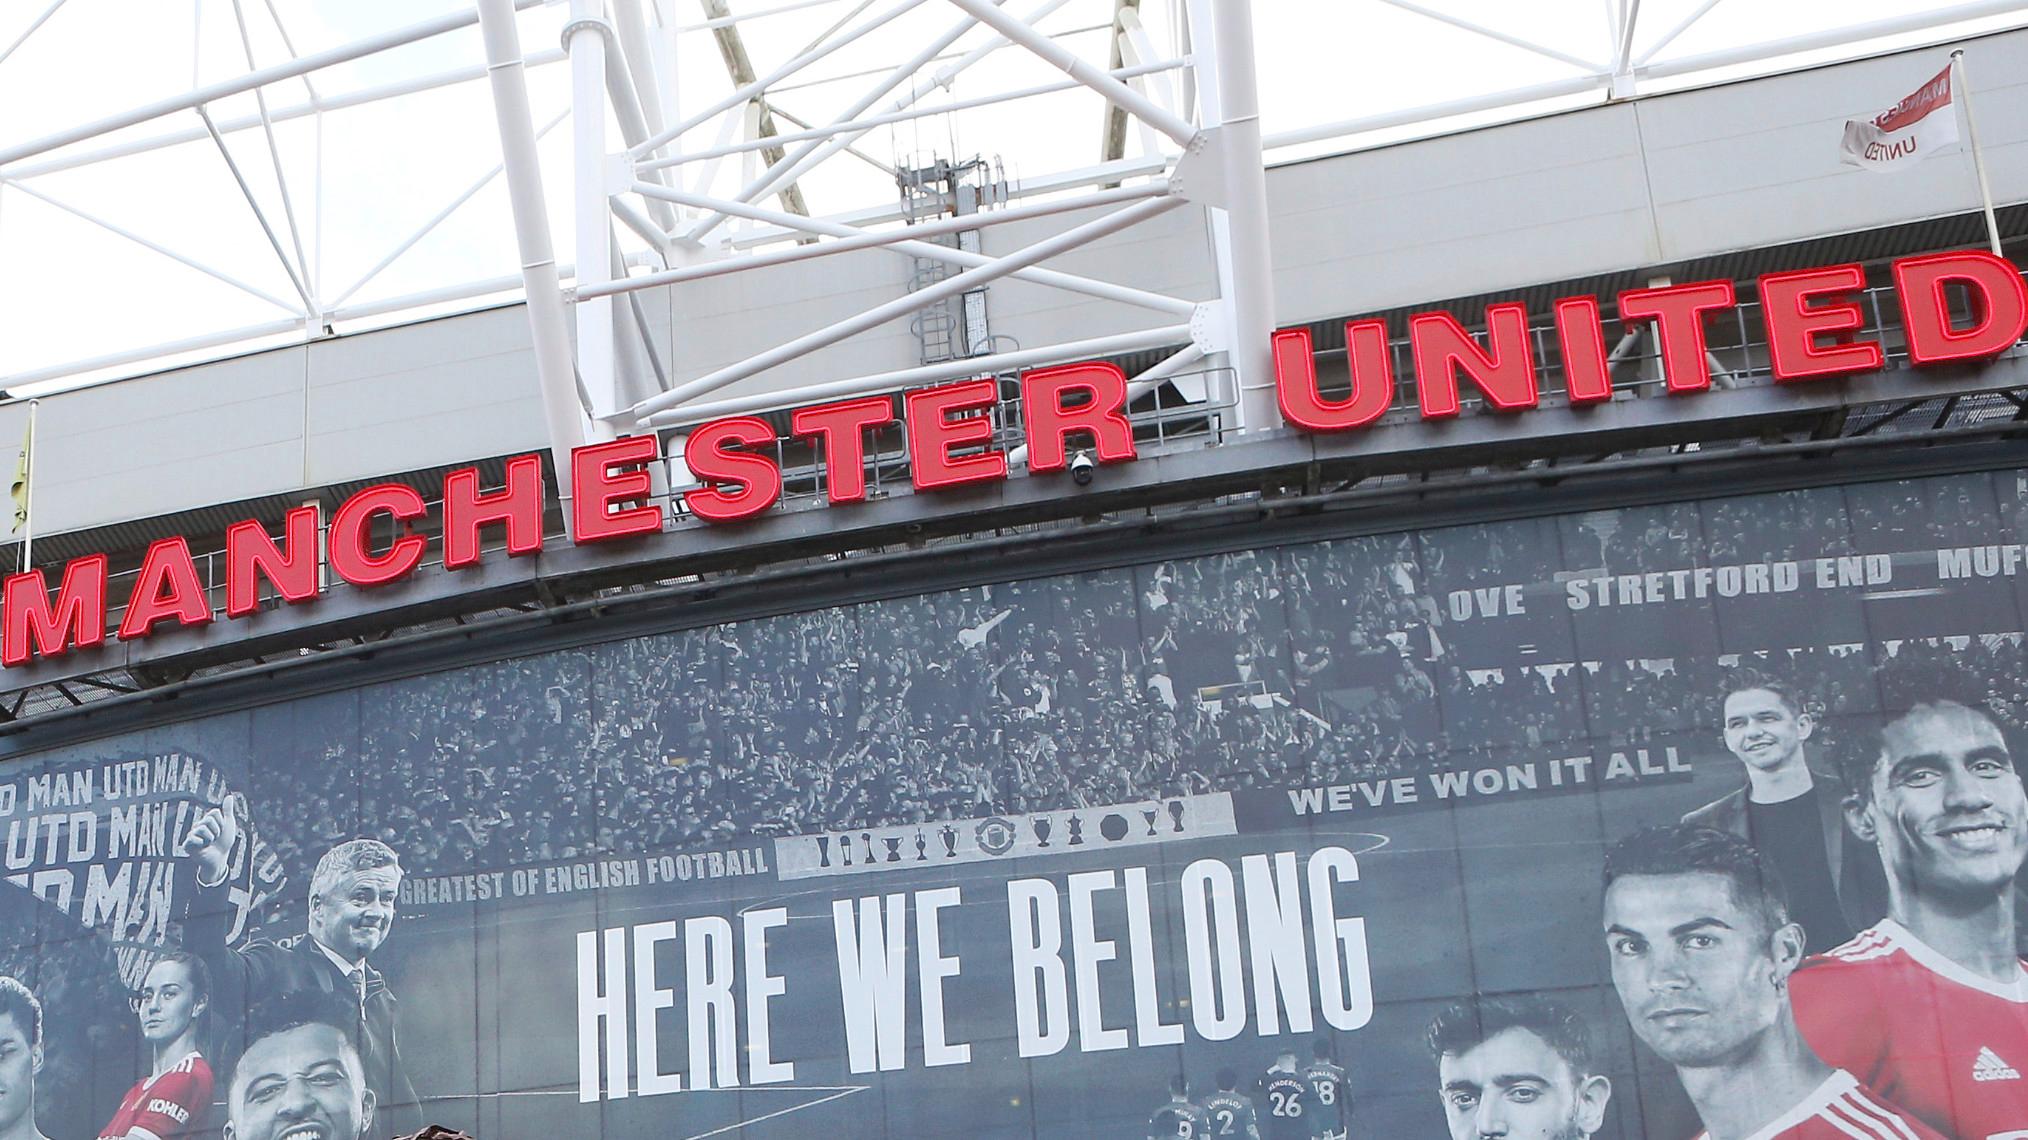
column 995, row 837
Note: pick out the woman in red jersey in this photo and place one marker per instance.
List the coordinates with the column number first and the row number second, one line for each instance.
column 170, row 1102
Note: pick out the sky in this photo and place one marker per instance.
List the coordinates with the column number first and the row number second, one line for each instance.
column 361, row 180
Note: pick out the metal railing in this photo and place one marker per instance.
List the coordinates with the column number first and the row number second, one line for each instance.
column 1736, row 342
column 1163, row 421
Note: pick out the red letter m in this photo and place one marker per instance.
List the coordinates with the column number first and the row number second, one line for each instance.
column 78, row 619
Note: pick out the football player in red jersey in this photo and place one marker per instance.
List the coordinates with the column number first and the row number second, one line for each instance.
column 1930, row 1006
column 171, row 1101
column 1702, row 951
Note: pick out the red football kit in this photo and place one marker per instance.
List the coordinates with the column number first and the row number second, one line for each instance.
column 165, row 1107
column 1928, row 1034
column 1841, row 1109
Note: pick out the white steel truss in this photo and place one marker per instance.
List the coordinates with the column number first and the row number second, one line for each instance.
column 1181, row 129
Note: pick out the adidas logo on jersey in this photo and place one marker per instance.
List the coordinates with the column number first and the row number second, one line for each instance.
column 1989, row 1067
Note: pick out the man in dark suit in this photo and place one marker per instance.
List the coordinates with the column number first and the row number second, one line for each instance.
column 1793, row 813
column 352, row 895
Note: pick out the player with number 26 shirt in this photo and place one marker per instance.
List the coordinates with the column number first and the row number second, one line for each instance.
column 1286, row 1100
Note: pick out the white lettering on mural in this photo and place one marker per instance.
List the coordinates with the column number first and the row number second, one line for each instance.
column 1270, row 946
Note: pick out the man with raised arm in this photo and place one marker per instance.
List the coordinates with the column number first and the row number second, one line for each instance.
column 352, row 896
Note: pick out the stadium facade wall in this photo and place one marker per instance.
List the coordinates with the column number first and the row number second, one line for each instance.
column 1177, row 813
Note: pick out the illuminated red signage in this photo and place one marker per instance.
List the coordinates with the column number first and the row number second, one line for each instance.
column 1812, row 319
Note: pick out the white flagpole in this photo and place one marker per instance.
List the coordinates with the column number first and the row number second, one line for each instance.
column 1962, row 91
column 28, row 494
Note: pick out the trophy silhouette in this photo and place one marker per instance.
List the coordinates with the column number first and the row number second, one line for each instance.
column 823, row 851
column 1176, row 814
column 1041, row 826
column 867, row 838
column 845, row 847
column 1149, row 815
column 949, row 835
column 1076, row 831
column 893, row 848
column 921, row 847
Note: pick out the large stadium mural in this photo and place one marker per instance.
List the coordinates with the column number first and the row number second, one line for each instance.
column 1633, row 823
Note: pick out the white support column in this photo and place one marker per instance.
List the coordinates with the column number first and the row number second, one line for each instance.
column 592, row 220
column 1246, row 265
column 568, row 426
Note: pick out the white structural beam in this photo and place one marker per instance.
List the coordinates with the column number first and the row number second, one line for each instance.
column 260, row 94
column 587, row 19
column 14, row 382
column 1681, row 26
column 293, row 111
column 904, row 236
column 1077, row 67
column 1431, row 112
column 1229, row 104
column 260, row 215
column 211, row 93
column 793, row 164
column 145, row 243
column 33, row 26
column 591, row 218
column 289, row 45
column 1035, row 274
column 901, row 306
column 1497, row 35
column 1829, row 37
column 892, row 117
column 568, row 425
column 1037, row 186
column 731, row 18
column 1133, row 49
column 632, row 26
column 437, row 219
column 1139, row 341
column 759, row 86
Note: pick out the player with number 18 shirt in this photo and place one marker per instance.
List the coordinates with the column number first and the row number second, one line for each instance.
column 1331, row 1109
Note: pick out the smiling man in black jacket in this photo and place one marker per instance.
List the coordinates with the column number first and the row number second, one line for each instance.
column 1793, row 813
column 352, row 896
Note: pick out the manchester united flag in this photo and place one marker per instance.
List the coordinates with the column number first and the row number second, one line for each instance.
column 1906, row 133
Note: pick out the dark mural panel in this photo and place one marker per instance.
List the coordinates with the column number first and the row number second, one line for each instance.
column 1634, row 823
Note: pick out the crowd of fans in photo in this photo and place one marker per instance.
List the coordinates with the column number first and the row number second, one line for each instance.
column 1318, row 663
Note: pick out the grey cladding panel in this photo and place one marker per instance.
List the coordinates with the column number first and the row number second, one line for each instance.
column 206, row 434
column 1756, row 163
column 422, row 395
column 1504, row 207
column 722, row 320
